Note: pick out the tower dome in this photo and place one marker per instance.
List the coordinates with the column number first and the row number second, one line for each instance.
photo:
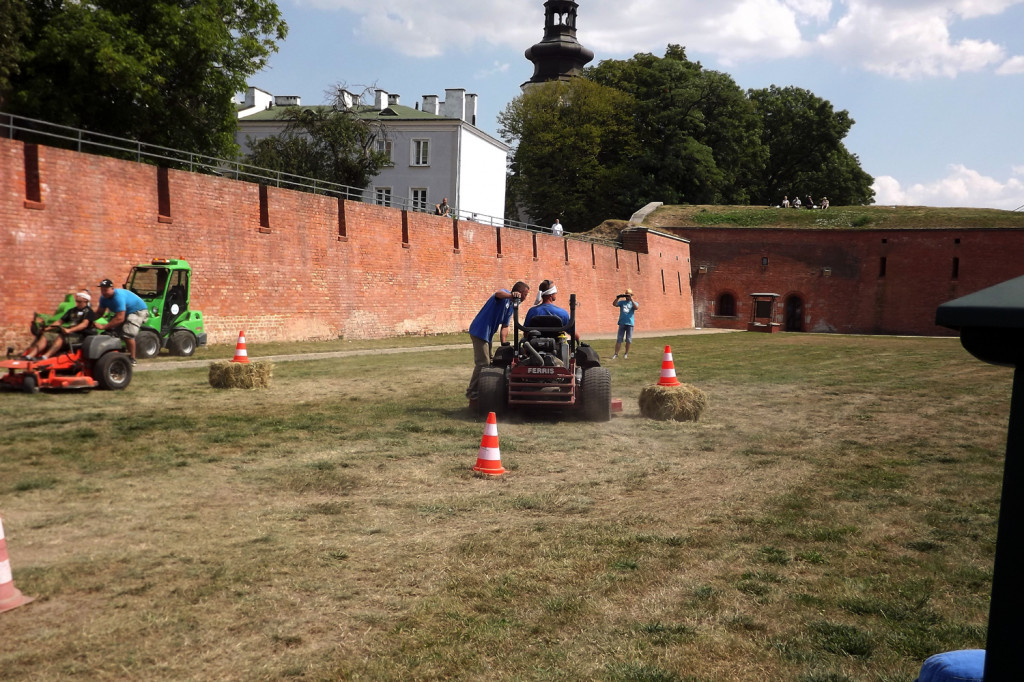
column 559, row 56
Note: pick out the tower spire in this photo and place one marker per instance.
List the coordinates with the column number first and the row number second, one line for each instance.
column 559, row 56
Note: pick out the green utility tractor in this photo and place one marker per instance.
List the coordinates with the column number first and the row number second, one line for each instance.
column 165, row 285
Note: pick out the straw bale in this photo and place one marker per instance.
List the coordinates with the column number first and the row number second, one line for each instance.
column 682, row 403
column 241, row 375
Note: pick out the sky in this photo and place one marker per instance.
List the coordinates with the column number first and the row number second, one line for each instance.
column 935, row 87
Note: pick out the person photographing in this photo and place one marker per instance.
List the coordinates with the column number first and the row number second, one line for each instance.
column 627, row 306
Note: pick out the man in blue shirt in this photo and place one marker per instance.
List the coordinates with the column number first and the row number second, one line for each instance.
column 130, row 313
column 545, row 304
column 495, row 315
column 627, row 306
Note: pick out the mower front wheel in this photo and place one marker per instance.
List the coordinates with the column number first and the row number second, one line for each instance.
column 596, row 391
column 30, row 383
column 147, row 345
column 493, row 391
column 113, row 371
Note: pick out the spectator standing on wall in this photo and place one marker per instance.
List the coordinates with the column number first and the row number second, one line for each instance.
column 443, row 209
column 556, row 229
column 627, row 306
column 130, row 313
column 494, row 315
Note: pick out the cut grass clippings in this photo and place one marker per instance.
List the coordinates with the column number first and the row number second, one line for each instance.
column 830, row 517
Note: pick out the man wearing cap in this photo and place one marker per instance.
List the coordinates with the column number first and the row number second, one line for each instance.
column 495, row 314
column 75, row 323
column 627, row 306
column 130, row 313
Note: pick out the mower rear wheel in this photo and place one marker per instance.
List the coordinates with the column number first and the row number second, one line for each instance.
column 492, row 391
column 597, row 394
column 182, row 343
column 113, row 371
column 147, row 345
column 30, row 383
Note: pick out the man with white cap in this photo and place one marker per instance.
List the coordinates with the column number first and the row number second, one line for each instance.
column 627, row 306
column 547, row 292
column 75, row 324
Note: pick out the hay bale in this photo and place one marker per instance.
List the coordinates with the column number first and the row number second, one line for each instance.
column 241, row 375
column 683, row 403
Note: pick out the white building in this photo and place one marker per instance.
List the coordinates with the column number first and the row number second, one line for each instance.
column 436, row 149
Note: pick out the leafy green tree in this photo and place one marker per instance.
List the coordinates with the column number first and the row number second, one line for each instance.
column 14, row 28
column 326, row 143
column 806, row 155
column 161, row 71
column 573, row 146
column 700, row 136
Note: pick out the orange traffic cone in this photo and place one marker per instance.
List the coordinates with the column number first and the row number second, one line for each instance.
column 240, row 354
column 10, row 596
column 668, row 370
column 488, row 461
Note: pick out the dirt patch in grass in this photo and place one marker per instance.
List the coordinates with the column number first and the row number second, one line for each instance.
column 827, row 517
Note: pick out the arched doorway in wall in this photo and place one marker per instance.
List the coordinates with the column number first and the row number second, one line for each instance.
column 794, row 308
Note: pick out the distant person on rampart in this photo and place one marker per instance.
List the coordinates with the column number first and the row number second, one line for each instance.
column 556, row 229
column 785, row 201
column 443, row 209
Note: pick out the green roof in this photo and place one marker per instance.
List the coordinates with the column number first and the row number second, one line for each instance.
column 394, row 112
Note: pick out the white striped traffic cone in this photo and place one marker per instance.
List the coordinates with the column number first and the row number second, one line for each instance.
column 668, row 370
column 488, row 461
column 240, row 353
column 10, row 596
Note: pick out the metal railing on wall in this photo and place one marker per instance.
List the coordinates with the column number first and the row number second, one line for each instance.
column 43, row 132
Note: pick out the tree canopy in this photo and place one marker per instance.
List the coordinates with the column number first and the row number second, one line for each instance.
column 572, row 145
column 329, row 143
column 161, row 71
column 667, row 129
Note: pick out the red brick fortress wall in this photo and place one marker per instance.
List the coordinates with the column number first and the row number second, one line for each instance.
column 286, row 265
column 840, row 277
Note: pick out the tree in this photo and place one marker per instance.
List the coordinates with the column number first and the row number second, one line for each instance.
column 573, row 145
column 161, row 71
column 806, row 154
column 700, row 137
column 14, row 28
column 330, row 143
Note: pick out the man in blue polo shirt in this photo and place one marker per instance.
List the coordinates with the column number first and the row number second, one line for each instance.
column 495, row 315
column 130, row 313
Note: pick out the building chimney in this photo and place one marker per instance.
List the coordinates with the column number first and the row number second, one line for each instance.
column 287, row 101
column 430, row 104
column 455, row 103
column 471, row 109
column 392, row 100
column 380, row 100
column 346, row 98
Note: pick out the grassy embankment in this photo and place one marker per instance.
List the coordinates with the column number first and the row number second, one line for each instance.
column 831, row 518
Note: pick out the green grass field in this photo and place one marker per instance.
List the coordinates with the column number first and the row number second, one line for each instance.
column 831, row 517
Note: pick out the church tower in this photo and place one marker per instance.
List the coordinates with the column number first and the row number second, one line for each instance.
column 559, row 56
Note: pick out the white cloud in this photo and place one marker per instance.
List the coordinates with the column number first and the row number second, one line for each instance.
column 961, row 187
column 1011, row 67
column 896, row 38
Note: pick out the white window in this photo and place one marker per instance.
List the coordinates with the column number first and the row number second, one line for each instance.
column 419, row 198
column 384, row 146
column 383, row 196
column 421, row 152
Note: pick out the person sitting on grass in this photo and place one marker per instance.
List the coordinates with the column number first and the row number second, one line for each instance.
column 76, row 324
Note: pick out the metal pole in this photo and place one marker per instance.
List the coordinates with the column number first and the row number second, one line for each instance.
column 1003, row 661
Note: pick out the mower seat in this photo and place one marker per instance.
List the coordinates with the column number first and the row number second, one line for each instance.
column 544, row 323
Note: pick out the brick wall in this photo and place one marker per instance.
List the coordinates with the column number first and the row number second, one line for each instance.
column 837, row 274
column 292, row 265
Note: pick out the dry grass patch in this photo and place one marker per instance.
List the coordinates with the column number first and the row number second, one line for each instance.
column 828, row 518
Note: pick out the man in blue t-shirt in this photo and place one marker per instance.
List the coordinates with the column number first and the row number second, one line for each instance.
column 495, row 315
column 627, row 306
column 545, row 304
column 130, row 313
